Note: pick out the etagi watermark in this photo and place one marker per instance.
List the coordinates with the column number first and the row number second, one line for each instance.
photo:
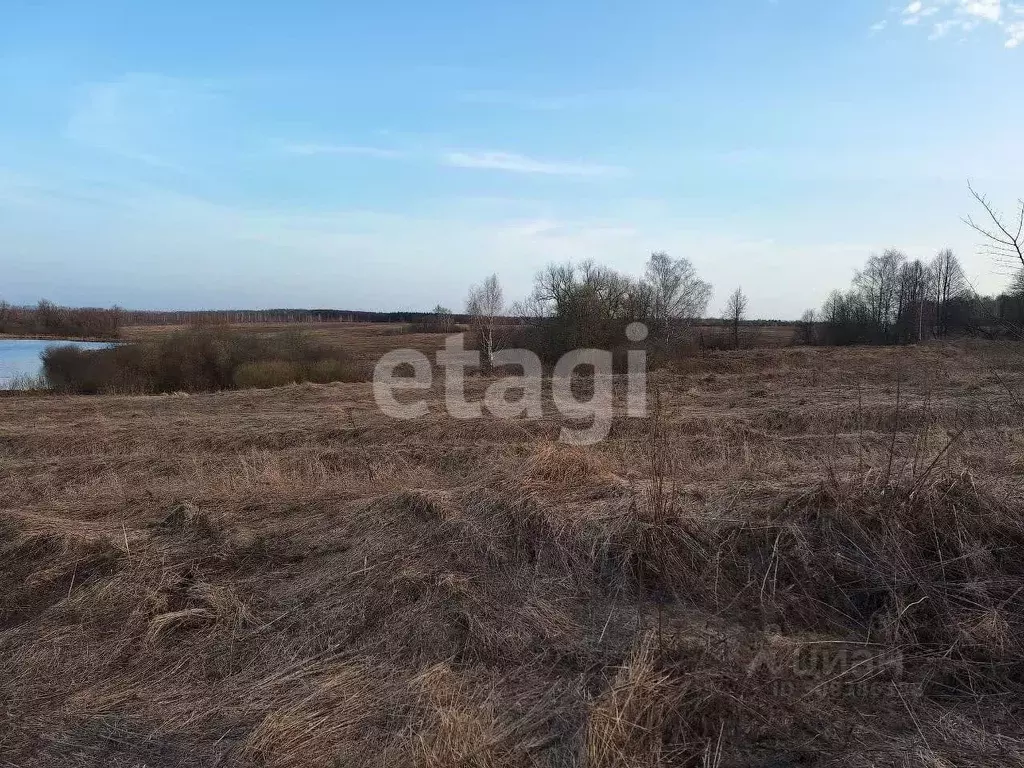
column 517, row 396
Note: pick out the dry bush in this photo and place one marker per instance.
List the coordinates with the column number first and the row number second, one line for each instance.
column 198, row 360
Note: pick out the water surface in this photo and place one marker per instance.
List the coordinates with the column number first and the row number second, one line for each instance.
column 22, row 357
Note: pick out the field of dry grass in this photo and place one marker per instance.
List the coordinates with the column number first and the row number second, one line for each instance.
column 365, row 342
column 808, row 557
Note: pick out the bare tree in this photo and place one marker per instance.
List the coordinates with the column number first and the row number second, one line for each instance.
column 949, row 286
column 444, row 318
column 585, row 305
column 913, row 284
column 530, row 308
column 834, row 310
column 678, row 294
column 1005, row 237
column 878, row 284
column 586, row 289
column 484, row 305
column 805, row 327
column 735, row 311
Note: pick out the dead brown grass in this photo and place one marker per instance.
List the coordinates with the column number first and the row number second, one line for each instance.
column 365, row 342
column 780, row 569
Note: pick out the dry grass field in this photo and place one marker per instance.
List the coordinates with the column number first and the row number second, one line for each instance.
column 365, row 342
column 804, row 557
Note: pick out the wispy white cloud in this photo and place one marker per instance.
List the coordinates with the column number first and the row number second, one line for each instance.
column 340, row 149
column 916, row 11
column 1016, row 34
column 962, row 16
column 990, row 10
column 1015, row 29
column 509, row 162
column 513, row 163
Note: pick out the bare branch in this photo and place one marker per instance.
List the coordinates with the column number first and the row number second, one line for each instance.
column 1007, row 246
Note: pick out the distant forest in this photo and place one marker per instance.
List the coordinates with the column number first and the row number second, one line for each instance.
column 895, row 300
column 49, row 319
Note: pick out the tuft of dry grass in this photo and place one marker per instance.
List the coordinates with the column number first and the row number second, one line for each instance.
column 626, row 724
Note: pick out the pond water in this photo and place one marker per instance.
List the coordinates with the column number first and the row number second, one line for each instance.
column 21, row 357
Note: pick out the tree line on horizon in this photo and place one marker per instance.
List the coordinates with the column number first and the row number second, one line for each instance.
column 896, row 300
column 892, row 300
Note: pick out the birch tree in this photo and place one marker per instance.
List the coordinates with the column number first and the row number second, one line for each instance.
column 735, row 311
column 678, row 294
column 484, row 306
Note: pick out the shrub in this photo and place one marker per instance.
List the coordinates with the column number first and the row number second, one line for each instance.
column 70, row 369
column 197, row 360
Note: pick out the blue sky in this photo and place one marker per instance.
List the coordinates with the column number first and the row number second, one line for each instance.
column 384, row 156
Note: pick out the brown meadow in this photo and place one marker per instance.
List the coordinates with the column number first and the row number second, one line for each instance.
column 804, row 556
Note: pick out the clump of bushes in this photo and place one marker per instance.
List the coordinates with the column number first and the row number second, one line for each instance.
column 49, row 319
column 588, row 306
column 198, row 360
